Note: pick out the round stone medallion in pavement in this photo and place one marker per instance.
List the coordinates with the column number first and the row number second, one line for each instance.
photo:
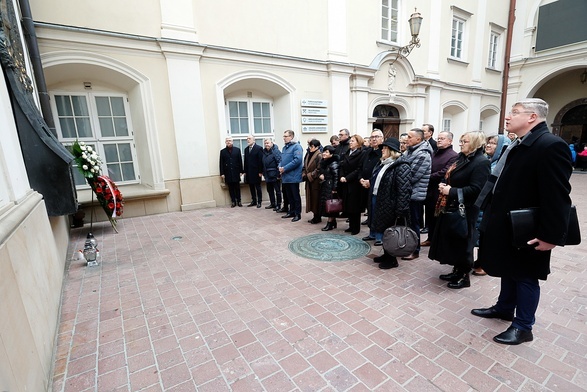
column 329, row 247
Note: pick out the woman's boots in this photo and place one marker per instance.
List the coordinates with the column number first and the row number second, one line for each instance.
column 450, row 277
column 329, row 226
column 461, row 281
column 457, row 279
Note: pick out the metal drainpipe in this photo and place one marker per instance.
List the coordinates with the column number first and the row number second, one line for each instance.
column 506, row 65
column 31, row 40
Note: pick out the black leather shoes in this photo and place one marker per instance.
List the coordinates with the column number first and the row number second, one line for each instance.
column 296, row 218
column 239, row 204
column 233, row 204
column 259, row 205
column 368, row 238
column 453, row 276
column 288, row 215
column 492, row 313
column 252, row 204
column 270, row 207
column 514, row 336
column 461, row 282
column 378, row 243
column 282, row 210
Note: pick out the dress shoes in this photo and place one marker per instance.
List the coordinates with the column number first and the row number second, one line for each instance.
column 259, row 205
column 296, row 218
column 514, row 336
column 492, row 313
column 288, row 215
column 424, row 230
column 413, row 256
column 378, row 243
column 286, row 210
column 252, row 204
column 238, row 203
column 348, row 230
column 233, row 204
column 368, row 238
column 315, row 220
column 425, row 243
column 270, row 207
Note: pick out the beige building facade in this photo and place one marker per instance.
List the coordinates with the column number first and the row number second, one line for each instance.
column 156, row 86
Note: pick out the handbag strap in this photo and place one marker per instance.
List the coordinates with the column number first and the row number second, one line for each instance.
column 461, row 199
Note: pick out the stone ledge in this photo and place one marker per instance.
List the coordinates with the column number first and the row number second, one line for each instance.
column 129, row 193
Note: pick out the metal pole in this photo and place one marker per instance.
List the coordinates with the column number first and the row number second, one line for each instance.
column 506, row 65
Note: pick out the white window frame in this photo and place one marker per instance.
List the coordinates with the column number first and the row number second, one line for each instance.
column 493, row 47
column 97, row 140
column 388, row 34
column 457, row 38
column 240, row 139
column 446, row 122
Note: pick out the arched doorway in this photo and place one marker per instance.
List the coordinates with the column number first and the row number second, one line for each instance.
column 570, row 123
column 387, row 119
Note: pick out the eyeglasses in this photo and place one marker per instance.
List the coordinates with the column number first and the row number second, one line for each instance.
column 514, row 113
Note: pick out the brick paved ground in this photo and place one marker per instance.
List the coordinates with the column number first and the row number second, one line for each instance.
column 228, row 307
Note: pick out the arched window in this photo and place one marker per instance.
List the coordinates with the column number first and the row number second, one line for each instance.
column 246, row 115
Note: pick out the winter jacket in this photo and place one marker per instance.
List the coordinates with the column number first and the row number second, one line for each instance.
column 328, row 168
column 420, row 159
column 292, row 161
column 271, row 159
column 393, row 196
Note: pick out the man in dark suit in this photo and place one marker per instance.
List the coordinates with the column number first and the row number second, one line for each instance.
column 254, row 170
column 231, row 167
column 533, row 172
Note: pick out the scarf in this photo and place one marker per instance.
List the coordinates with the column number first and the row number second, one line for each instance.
column 385, row 164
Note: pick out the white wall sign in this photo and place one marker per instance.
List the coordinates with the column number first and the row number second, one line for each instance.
column 314, row 102
column 314, row 120
column 314, row 129
column 314, row 112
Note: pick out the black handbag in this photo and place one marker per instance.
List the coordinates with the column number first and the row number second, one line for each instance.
column 455, row 221
column 525, row 221
column 400, row 241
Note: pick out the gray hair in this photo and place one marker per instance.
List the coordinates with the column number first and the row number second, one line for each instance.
column 535, row 105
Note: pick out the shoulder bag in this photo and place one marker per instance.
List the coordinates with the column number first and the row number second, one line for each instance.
column 400, row 240
column 456, row 221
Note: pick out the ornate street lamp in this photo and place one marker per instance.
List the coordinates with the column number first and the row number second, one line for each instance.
column 415, row 24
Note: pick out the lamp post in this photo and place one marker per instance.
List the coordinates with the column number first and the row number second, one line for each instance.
column 415, row 22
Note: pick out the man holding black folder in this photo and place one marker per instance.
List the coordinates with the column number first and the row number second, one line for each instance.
column 533, row 172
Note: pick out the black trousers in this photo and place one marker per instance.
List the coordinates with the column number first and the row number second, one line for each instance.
column 234, row 188
column 292, row 191
column 274, row 191
column 256, row 194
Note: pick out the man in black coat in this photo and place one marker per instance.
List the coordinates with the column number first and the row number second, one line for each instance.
column 441, row 161
column 254, row 170
column 231, row 167
column 343, row 142
column 533, row 172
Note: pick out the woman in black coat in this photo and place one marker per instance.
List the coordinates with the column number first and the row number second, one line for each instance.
column 350, row 188
column 328, row 182
column 390, row 189
column 468, row 174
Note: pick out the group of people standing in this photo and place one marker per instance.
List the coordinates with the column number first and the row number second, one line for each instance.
column 397, row 179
